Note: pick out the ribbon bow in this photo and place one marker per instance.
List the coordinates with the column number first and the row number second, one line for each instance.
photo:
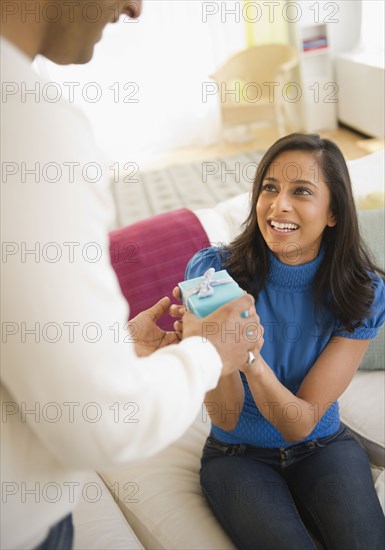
column 205, row 287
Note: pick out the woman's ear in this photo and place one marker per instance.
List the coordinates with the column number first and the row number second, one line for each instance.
column 332, row 220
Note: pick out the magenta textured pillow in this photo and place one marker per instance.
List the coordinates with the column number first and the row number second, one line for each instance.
column 150, row 257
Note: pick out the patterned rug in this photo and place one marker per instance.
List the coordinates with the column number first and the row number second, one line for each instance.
column 195, row 185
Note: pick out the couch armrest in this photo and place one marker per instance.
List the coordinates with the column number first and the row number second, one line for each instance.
column 362, row 411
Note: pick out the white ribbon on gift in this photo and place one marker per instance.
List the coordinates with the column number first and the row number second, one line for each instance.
column 205, row 287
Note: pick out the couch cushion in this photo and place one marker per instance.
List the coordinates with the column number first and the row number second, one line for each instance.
column 372, row 225
column 150, row 257
column 362, row 409
column 223, row 222
column 168, row 511
column 98, row 521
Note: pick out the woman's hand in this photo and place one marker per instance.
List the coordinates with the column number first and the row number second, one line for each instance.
column 177, row 311
column 230, row 348
column 254, row 366
column 146, row 334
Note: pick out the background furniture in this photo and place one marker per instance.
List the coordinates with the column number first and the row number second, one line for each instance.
column 361, row 79
column 252, row 85
column 317, row 91
column 338, row 25
column 160, row 499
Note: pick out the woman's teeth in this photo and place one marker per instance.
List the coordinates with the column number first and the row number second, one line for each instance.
column 285, row 227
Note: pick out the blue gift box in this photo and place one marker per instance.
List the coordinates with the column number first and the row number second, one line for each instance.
column 205, row 294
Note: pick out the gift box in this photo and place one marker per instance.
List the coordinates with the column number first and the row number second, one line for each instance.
column 203, row 295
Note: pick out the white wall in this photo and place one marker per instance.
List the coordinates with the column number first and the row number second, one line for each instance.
column 345, row 35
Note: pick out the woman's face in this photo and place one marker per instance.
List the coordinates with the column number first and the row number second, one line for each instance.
column 293, row 207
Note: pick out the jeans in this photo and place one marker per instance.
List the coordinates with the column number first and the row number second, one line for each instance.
column 274, row 498
column 60, row 536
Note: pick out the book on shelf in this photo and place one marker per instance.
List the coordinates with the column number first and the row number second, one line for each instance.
column 314, row 43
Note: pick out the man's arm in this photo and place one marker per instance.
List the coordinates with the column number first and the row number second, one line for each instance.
column 65, row 319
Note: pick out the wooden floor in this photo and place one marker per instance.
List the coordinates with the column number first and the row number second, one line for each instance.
column 352, row 145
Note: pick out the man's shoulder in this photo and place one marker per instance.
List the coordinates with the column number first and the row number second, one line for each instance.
column 30, row 104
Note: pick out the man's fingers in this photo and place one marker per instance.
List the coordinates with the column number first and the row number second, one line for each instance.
column 160, row 308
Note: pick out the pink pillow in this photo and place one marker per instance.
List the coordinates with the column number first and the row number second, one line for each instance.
column 150, row 257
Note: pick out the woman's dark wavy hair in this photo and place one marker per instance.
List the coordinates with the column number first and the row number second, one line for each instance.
column 343, row 282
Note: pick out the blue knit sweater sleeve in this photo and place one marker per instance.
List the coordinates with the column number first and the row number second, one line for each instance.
column 372, row 324
column 202, row 260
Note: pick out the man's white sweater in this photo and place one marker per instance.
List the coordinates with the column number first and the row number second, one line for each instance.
column 74, row 395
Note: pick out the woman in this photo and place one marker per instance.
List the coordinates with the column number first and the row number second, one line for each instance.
column 278, row 465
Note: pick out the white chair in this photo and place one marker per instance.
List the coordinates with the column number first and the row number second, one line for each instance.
column 252, row 85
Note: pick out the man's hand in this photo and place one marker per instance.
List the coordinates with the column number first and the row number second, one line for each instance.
column 146, row 334
column 232, row 335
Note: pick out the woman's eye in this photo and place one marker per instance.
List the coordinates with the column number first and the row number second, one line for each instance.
column 302, row 191
column 269, row 187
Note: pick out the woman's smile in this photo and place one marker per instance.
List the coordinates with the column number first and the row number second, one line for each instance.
column 282, row 226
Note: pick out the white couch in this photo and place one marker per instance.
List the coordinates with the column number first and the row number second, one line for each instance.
column 158, row 503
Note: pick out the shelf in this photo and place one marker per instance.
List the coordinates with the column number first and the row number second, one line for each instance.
column 316, row 109
column 315, row 52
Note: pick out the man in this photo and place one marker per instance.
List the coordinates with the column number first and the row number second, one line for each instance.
column 75, row 395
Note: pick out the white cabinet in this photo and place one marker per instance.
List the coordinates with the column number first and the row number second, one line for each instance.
column 361, row 79
column 316, row 108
